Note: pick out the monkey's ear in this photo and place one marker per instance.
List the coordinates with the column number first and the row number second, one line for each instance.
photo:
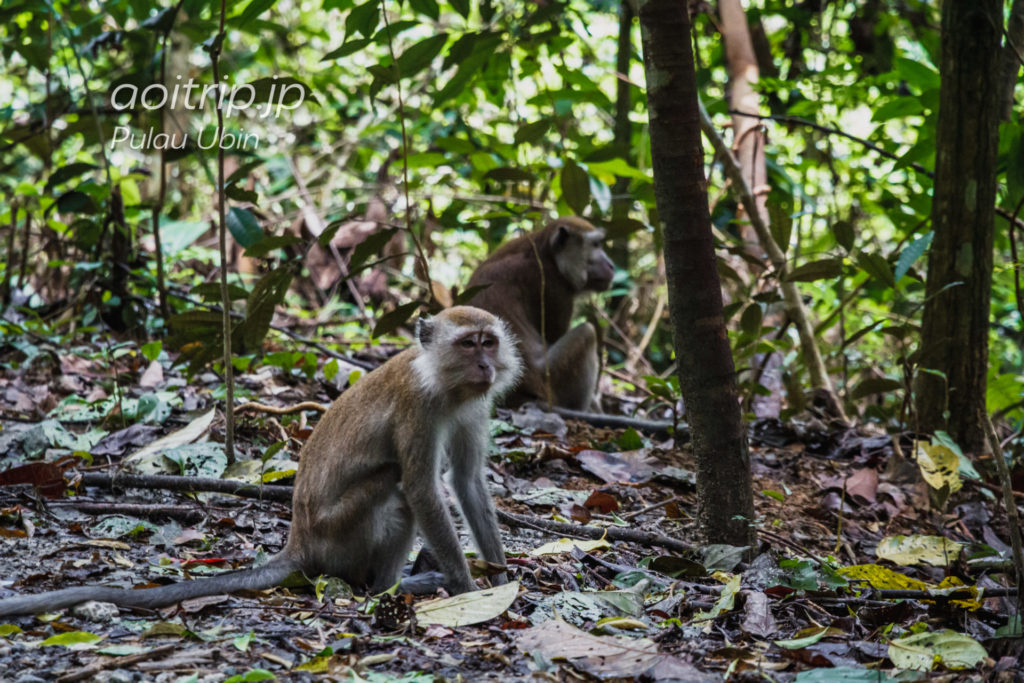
column 424, row 330
column 560, row 237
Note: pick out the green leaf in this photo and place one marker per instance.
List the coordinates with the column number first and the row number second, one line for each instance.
column 242, row 171
column 824, row 269
column 575, row 186
column 266, row 295
column 875, row 385
column 427, row 7
column 781, row 225
column 74, row 201
column 271, row 243
column 151, row 350
column 363, row 19
column 242, row 642
column 369, row 247
column 805, row 638
column 389, row 322
column 630, row 440
column 244, row 227
column 240, row 194
column 532, row 132
column 844, row 234
column 919, row 74
column 508, row 174
column 876, row 266
column 210, row 291
column 162, row 21
column 898, row 108
column 462, row 7
column 347, row 48
column 419, row 56
column 750, row 321
column 67, row 172
column 1013, row 159
column 73, row 639
column 252, row 11
column 252, row 676
column 911, row 254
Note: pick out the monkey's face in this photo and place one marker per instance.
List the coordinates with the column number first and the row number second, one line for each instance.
column 478, row 356
column 466, row 353
column 600, row 269
column 579, row 254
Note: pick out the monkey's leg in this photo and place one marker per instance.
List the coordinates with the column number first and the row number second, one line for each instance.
column 421, row 488
column 467, row 451
column 573, row 366
column 392, row 540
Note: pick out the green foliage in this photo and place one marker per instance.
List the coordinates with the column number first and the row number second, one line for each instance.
column 504, row 108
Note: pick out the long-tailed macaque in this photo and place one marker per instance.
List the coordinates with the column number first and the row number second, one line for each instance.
column 533, row 281
column 369, row 475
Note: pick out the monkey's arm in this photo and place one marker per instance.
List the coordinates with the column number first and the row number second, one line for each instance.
column 468, row 451
column 421, row 487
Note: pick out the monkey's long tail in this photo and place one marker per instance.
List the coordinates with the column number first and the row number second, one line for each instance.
column 270, row 574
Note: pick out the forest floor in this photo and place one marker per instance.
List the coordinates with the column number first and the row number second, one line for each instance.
column 850, row 580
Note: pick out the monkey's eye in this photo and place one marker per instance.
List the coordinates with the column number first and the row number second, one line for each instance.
column 489, row 343
column 467, row 343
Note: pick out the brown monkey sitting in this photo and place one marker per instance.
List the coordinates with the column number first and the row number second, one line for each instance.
column 533, row 281
column 369, row 474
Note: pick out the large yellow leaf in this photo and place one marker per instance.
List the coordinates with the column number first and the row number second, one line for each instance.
column 881, row 577
column 937, row 551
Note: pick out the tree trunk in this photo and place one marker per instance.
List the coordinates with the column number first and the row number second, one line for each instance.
column 623, row 142
column 748, row 138
column 1013, row 53
column 707, row 376
column 950, row 384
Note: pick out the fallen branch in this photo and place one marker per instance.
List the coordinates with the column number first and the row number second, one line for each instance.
column 117, row 663
column 281, row 494
column 285, row 410
column 654, row 427
column 284, row 494
column 644, row 538
column 184, row 513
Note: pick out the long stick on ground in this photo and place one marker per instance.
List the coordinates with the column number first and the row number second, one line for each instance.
column 284, row 494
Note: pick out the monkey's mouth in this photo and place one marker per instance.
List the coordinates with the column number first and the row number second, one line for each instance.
column 480, row 384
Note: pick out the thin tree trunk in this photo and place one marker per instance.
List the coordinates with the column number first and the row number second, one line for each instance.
column 1013, row 54
column 748, row 146
column 707, row 376
column 817, row 372
column 623, row 142
column 748, row 137
column 953, row 360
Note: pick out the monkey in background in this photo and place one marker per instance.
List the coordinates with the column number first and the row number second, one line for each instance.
column 533, row 281
column 369, row 475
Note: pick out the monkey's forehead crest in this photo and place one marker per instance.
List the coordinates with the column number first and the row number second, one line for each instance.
column 468, row 316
